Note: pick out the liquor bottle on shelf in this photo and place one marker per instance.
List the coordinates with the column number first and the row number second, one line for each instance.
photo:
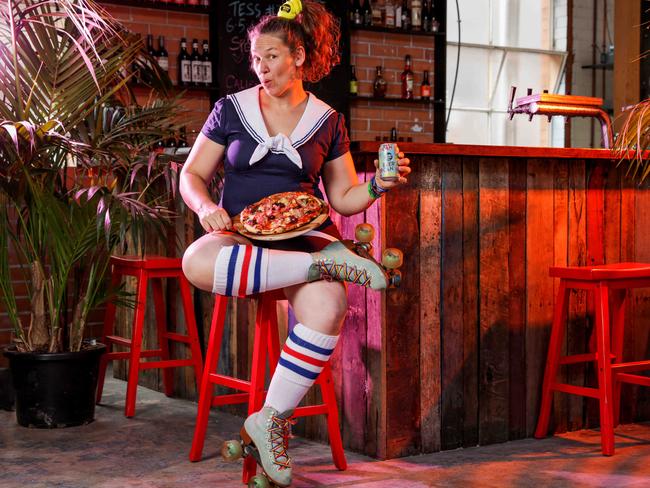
column 197, row 64
column 366, row 12
column 178, row 2
column 407, row 79
column 163, row 55
column 184, row 65
column 425, row 87
column 379, row 86
column 150, row 50
column 398, row 14
column 354, row 84
column 207, row 64
column 426, row 16
column 406, row 16
column 377, row 16
column 390, row 14
column 416, row 15
column 182, row 141
column 357, row 15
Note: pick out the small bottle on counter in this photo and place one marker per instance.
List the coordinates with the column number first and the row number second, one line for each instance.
column 163, row 55
column 407, row 79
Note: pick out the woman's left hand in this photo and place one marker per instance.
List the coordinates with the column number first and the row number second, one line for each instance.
column 403, row 167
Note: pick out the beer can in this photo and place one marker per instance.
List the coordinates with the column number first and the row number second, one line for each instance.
column 388, row 167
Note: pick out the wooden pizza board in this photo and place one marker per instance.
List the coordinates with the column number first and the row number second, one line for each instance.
column 285, row 235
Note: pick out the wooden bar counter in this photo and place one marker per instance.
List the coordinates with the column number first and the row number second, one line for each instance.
column 455, row 357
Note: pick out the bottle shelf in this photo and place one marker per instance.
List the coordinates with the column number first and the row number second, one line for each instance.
column 606, row 66
column 373, row 28
column 212, row 88
column 189, row 9
column 412, row 101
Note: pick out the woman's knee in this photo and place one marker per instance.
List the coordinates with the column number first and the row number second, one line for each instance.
column 198, row 261
column 321, row 306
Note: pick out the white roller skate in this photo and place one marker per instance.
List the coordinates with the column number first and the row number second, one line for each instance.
column 265, row 436
column 353, row 262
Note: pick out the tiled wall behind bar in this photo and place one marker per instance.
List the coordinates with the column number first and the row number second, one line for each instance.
column 370, row 119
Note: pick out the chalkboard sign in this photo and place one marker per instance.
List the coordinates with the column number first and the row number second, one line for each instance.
column 229, row 26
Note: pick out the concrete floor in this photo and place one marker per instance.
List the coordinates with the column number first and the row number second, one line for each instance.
column 150, row 451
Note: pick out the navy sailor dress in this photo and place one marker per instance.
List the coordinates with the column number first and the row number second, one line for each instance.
column 257, row 165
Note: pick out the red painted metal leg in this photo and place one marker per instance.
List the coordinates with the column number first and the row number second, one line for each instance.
column 161, row 328
column 207, row 388
column 109, row 323
column 258, row 369
column 552, row 359
column 618, row 302
column 604, row 369
column 192, row 332
column 274, row 335
column 136, row 344
column 329, row 398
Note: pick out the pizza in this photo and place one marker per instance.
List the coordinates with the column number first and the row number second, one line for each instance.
column 281, row 212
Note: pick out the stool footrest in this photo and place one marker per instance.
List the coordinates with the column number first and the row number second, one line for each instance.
column 122, row 341
column 229, row 399
column 173, row 336
column 152, row 353
column 633, row 378
column 631, row 366
column 234, row 383
column 166, row 363
column 576, row 390
column 310, row 410
column 582, row 358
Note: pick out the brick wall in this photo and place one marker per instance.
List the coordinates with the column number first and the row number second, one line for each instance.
column 173, row 26
column 369, row 119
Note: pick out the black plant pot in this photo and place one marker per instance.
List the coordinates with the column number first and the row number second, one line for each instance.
column 55, row 389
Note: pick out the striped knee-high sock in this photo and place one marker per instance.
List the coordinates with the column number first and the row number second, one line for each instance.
column 302, row 359
column 242, row 270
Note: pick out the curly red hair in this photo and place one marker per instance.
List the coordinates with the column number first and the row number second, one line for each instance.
column 315, row 28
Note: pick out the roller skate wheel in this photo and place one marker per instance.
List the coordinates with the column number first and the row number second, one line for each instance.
column 364, row 232
column 392, row 258
column 395, row 279
column 231, row 451
column 259, row 481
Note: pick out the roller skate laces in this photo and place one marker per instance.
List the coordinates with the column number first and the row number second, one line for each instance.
column 338, row 262
column 270, row 432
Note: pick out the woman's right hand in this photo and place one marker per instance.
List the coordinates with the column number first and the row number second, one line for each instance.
column 214, row 218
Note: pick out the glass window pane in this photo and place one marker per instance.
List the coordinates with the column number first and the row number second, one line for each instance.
column 521, row 24
column 526, row 70
column 468, row 127
column 474, row 27
column 472, row 87
column 519, row 131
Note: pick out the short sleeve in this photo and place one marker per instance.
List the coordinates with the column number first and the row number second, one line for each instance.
column 215, row 126
column 340, row 141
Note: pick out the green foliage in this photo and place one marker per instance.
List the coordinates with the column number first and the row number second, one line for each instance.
column 77, row 175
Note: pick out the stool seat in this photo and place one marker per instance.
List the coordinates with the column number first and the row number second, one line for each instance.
column 616, row 271
column 149, row 269
column 266, row 345
column 148, row 262
column 609, row 284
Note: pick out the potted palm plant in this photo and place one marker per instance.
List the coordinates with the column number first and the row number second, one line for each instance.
column 76, row 180
column 633, row 141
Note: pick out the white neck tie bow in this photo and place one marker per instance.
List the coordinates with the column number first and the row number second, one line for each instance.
column 278, row 143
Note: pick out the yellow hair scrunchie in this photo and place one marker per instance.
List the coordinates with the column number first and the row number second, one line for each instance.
column 290, row 9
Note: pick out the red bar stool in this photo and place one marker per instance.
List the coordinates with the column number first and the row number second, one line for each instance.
column 266, row 345
column 609, row 284
column 147, row 268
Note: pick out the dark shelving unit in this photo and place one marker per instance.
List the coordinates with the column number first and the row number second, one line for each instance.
column 373, row 28
column 412, row 101
column 606, row 66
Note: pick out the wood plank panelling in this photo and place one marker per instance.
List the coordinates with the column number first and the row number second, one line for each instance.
column 493, row 301
column 455, row 357
column 451, row 309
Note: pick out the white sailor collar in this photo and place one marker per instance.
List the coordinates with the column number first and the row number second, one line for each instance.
column 247, row 105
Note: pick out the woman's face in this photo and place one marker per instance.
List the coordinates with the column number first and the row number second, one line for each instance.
column 274, row 65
